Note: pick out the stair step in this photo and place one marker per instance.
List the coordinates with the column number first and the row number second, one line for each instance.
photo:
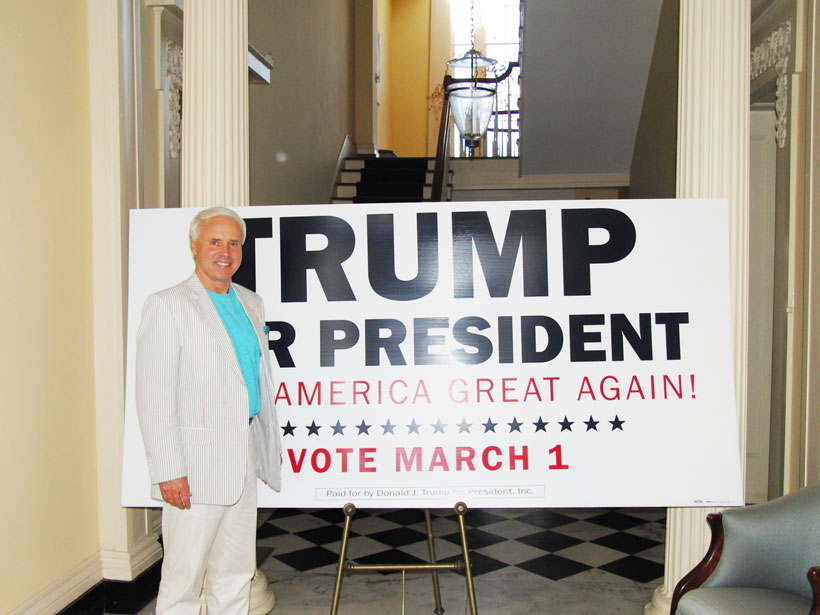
column 381, row 199
column 355, row 176
column 387, row 175
column 389, row 163
column 401, row 190
column 387, row 180
column 345, row 191
column 353, row 164
column 347, row 200
column 398, row 163
column 349, row 191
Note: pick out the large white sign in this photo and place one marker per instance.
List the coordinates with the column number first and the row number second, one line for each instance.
column 515, row 354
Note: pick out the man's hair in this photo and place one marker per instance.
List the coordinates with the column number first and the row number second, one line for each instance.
column 215, row 212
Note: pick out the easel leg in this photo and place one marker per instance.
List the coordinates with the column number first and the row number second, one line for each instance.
column 431, row 547
column 460, row 509
column 349, row 510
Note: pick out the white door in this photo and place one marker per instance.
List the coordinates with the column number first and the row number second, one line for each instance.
column 762, row 167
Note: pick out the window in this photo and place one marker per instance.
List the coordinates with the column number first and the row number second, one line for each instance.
column 496, row 24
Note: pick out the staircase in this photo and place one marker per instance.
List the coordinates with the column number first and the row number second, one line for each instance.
column 386, row 180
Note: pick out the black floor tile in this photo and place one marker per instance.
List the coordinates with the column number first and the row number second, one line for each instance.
column 329, row 515
column 628, row 543
column 545, row 518
column 479, row 563
column 475, row 517
column 475, row 538
column 267, row 530
column 390, row 556
column 398, row 537
column 262, row 553
column 553, row 567
column 478, row 518
column 308, row 559
column 635, row 568
column 325, row 534
column 281, row 513
column 403, row 516
column 549, row 541
column 616, row 520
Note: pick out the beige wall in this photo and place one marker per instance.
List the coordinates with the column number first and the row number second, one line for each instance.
column 654, row 162
column 409, row 68
column 299, row 121
column 48, row 525
column 384, row 15
column 441, row 50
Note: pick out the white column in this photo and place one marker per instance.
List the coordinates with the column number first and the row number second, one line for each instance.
column 215, row 131
column 713, row 136
column 215, row 104
column 128, row 544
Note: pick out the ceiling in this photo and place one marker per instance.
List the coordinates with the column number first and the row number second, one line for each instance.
column 585, row 67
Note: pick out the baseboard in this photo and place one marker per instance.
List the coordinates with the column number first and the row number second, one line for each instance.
column 125, row 597
column 126, row 566
column 68, row 588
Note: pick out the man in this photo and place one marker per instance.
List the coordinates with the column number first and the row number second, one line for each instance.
column 205, row 404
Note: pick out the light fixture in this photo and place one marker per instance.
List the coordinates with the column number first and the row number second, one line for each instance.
column 472, row 99
column 472, row 106
column 472, row 60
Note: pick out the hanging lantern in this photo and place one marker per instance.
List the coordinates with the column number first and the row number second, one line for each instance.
column 472, row 60
column 472, row 99
column 472, row 105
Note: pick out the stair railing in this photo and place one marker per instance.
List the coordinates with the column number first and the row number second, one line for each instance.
column 503, row 133
column 442, row 164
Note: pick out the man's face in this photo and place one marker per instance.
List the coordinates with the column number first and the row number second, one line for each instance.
column 217, row 252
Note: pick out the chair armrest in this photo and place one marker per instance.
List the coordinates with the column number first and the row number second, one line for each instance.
column 814, row 581
column 695, row 577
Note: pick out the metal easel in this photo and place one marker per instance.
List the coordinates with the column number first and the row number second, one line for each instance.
column 433, row 567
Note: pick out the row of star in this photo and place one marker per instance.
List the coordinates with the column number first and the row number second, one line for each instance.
column 463, row 426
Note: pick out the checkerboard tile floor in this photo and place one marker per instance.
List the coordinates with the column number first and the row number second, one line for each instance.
column 552, row 544
column 567, row 561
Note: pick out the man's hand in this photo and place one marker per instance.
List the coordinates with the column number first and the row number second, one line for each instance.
column 176, row 492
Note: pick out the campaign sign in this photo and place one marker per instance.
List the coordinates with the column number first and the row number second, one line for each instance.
column 503, row 354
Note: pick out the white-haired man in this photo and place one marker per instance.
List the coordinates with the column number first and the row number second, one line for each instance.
column 205, row 405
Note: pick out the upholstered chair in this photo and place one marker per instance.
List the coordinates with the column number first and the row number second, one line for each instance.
column 758, row 561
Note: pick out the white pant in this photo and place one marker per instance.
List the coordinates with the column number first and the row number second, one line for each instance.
column 217, row 541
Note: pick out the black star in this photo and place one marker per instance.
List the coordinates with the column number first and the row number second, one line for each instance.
column 363, row 428
column 413, row 427
column 464, row 425
column 289, row 429
column 541, row 425
column 438, row 427
column 617, row 423
column 387, row 427
column 489, row 425
column 566, row 424
column 515, row 425
column 313, row 429
column 591, row 424
column 338, row 428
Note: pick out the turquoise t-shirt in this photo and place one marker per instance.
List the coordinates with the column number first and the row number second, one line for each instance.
column 245, row 342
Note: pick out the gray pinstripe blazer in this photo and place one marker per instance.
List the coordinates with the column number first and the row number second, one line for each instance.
column 192, row 402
